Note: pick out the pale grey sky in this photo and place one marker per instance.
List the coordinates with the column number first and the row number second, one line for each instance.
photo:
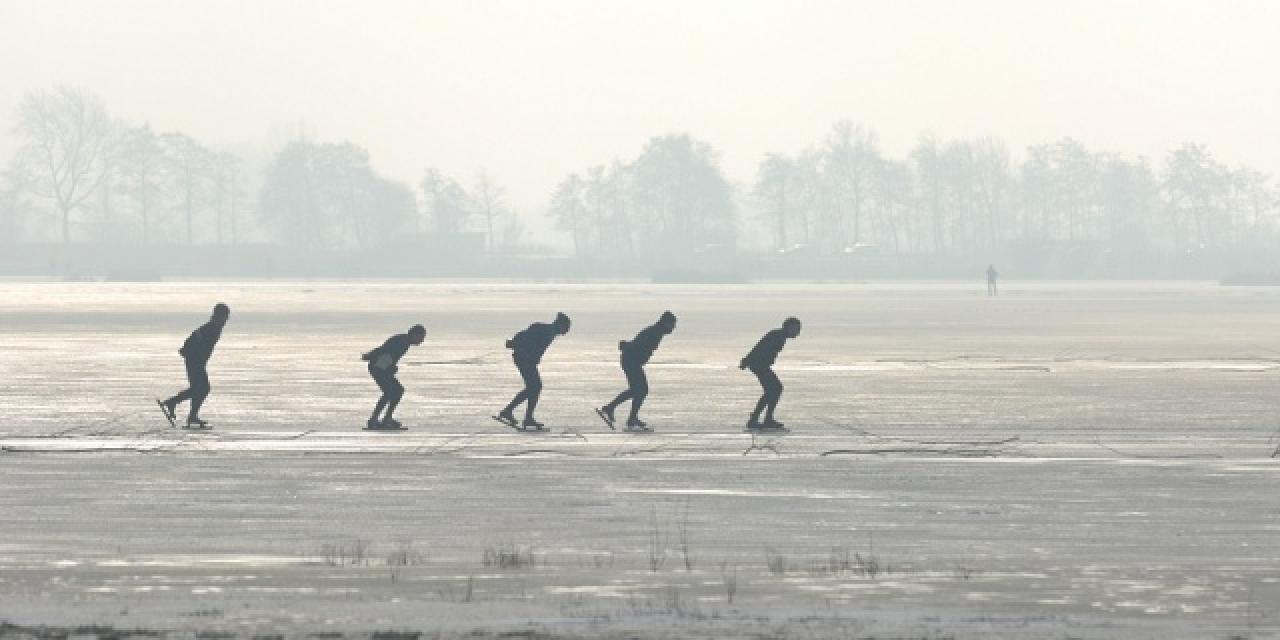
column 533, row 90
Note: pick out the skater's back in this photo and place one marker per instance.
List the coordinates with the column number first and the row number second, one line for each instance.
column 198, row 346
column 638, row 350
column 530, row 345
column 765, row 353
column 394, row 348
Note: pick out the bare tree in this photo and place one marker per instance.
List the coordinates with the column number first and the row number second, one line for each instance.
column 446, row 202
column 680, row 197
column 1198, row 187
column 142, row 172
column 852, row 160
column 488, row 200
column 192, row 165
column 66, row 133
column 774, row 180
column 328, row 196
column 569, row 213
column 228, row 191
column 12, row 205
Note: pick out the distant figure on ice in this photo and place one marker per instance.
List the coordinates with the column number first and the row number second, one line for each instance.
column 636, row 354
column 196, row 352
column 382, row 366
column 992, row 275
column 527, row 348
column 760, row 362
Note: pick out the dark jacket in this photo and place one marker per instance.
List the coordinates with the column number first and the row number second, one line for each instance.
column 199, row 345
column 766, row 351
column 530, row 344
column 395, row 347
column 638, row 351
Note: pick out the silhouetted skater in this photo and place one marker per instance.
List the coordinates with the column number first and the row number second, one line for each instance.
column 196, row 352
column 527, row 348
column 636, row 354
column 992, row 275
column 760, row 362
column 382, row 366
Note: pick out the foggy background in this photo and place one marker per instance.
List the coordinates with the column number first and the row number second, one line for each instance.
column 709, row 141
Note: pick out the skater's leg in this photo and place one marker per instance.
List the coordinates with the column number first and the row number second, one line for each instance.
column 618, row 400
column 395, row 391
column 532, row 389
column 381, row 380
column 639, row 390
column 764, row 397
column 185, row 394
column 772, row 392
column 521, row 396
column 199, row 390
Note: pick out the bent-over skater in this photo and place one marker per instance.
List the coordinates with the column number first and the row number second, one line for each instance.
column 382, row 366
column 760, row 361
column 636, row 354
column 196, row 352
column 527, row 348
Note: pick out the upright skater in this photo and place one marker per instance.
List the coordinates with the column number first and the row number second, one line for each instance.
column 382, row 366
column 636, row 354
column 760, row 362
column 527, row 348
column 992, row 276
column 196, row 352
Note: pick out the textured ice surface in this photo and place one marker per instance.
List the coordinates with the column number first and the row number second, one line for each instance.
column 1085, row 460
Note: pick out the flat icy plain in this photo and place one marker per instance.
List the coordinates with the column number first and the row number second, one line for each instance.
column 1086, row 460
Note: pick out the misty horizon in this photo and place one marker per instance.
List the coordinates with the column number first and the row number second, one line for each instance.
column 592, row 83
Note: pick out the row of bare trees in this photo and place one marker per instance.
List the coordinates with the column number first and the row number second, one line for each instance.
column 80, row 174
column 968, row 196
column 672, row 199
column 326, row 195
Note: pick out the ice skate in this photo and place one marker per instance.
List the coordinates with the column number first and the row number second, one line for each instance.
column 606, row 414
column 168, row 413
column 635, row 425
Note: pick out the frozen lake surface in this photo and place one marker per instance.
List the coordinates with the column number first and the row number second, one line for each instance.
column 1069, row 460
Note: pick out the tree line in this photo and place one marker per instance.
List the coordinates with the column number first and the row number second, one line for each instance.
column 968, row 196
column 80, row 175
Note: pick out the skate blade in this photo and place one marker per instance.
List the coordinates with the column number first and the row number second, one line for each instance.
column 165, row 411
column 605, row 417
